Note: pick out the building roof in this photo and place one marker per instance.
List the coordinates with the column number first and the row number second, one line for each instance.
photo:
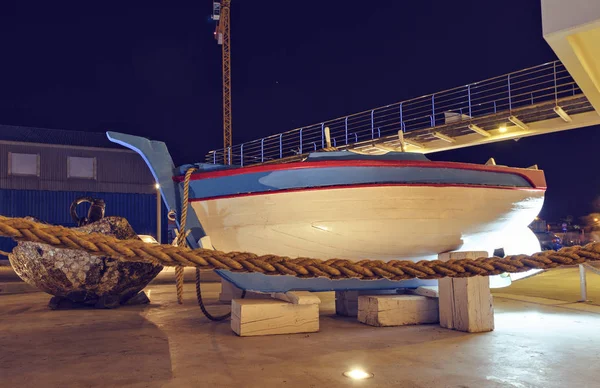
column 56, row 136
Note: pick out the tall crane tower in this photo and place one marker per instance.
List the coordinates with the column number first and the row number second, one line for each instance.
column 222, row 16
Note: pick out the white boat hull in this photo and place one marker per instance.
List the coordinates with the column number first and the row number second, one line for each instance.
column 375, row 222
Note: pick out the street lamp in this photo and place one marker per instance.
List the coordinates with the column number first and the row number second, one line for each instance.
column 158, row 213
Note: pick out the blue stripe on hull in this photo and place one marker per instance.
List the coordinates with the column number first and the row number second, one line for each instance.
column 283, row 283
column 317, row 156
column 339, row 176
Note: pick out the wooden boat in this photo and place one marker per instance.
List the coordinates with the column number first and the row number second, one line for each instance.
column 346, row 205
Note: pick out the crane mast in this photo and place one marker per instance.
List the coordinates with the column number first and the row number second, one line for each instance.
column 221, row 14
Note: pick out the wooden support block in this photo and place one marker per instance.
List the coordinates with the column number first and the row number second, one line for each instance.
column 466, row 304
column 297, row 297
column 462, row 255
column 429, row 291
column 397, row 310
column 229, row 292
column 346, row 302
column 253, row 317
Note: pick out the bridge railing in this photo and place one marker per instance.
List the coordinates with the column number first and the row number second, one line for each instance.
column 542, row 83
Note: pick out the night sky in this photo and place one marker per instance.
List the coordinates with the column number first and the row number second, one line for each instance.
column 154, row 69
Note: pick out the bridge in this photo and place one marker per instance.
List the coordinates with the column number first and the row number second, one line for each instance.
column 551, row 97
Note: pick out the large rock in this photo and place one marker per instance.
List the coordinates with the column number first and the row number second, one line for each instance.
column 75, row 276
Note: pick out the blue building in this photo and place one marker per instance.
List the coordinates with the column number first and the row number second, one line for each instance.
column 43, row 170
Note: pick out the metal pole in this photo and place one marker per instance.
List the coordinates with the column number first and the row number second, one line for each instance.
column 242, row 155
column 158, row 215
column 509, row 96
column 280, row 145
column 346, row 126
column 372, row 126
column 300, row 149
column 401, row 122
column 582, row 283
column 555, row 86
column 433, row 110
column 469, row 93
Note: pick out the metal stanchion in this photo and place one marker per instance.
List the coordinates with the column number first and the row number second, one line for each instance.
column 582, row 283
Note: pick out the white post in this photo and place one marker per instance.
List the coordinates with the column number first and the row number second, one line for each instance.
column 158, row 214
column 582, row 283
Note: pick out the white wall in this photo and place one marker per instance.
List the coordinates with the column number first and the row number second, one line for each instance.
column 558, row 15
column 572, row 29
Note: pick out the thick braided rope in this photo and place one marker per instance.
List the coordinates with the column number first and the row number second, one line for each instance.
column 181, row 241
column 136, row 250
column 179, row 283
column 181, row 238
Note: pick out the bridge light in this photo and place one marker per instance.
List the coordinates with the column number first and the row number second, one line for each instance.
column 563, row 115
column 414, row 143
column 518, row 123
column 443, row 137
column 479, row 130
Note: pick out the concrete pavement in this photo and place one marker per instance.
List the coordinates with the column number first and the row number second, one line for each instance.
column 558, row 284
column 168, row 345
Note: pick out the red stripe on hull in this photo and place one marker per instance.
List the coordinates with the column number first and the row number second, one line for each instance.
column 363, row 186
column 534, row 177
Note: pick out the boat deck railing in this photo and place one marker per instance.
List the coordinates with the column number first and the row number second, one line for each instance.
column 531, row 91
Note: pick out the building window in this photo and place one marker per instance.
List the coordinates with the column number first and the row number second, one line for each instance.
column 23, row 164
column 84, row 168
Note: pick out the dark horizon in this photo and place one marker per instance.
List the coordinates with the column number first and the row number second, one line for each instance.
column 155, row 71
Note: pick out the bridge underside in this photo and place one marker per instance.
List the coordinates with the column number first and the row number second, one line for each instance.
column 537, row 119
